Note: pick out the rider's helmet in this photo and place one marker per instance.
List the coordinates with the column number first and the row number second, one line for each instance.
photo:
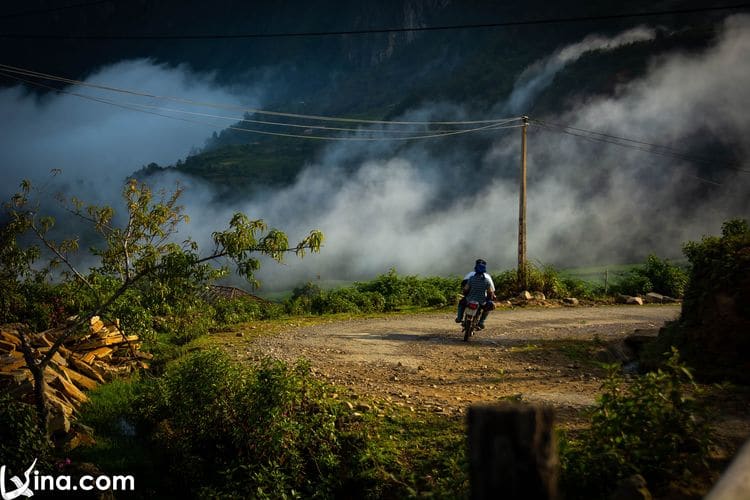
column 480, row 266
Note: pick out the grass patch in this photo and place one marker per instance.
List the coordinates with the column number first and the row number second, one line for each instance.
column 410, row 454
column 596, row 274
column 580, row 351
column 525, row 348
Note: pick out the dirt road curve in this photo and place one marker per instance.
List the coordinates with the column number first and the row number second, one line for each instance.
column 421, row 361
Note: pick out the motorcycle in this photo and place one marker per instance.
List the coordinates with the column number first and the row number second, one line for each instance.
column 472, row 313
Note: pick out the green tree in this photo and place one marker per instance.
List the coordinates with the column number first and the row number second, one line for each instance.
column 140, row 251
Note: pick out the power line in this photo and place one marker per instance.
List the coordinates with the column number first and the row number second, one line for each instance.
column 639, row 145
column 46, row 76
column 35, row 12
column 409, row 29
column 140, row 108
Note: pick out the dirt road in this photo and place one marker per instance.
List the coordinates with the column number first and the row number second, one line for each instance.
column 421, row 362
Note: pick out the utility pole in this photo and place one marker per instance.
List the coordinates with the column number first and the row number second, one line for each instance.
column 522, row 278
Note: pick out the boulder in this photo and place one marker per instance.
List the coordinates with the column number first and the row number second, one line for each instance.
column 622, row 299
column 654, row 298
column 538, row 296
column 635, row 301
column 571, row 301
column 525, row 295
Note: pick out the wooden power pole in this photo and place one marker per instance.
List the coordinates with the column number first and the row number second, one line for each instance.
column 522, row 210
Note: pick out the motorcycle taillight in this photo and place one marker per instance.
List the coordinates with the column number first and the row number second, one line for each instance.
column 473, row 305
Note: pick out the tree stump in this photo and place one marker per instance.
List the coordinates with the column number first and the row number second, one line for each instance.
column 512, row 452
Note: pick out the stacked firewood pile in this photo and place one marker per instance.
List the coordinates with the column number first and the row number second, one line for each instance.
column 81, row 364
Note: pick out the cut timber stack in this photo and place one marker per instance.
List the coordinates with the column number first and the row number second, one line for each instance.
column 82, row 363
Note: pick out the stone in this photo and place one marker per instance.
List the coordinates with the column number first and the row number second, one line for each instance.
column 571, row 301
column 635, row 301
column 654, row 298
column 538, row 296
column 525, row 295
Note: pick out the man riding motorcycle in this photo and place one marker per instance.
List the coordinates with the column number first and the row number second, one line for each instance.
column 478, row 287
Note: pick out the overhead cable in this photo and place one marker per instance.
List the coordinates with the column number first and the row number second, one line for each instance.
column 636, row 144
column 140, row 108
column 408, row 29
column 47, row 76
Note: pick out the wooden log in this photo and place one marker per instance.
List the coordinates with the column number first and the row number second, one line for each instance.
column 102, row 352
column 60, row 404
column 40, row 341
column 13, row 364
column 104, row 342
column 52, row 334
column 82, row 381
column 68, row 389
column 7, row 347
column 86, row 369
column 68, row 401
column 96, row 326
column 56, row 358
column 9, row 337
column 512, row 452
column 58, row 371
column 65, row 352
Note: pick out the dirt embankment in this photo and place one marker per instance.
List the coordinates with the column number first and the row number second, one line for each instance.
column 421, row 362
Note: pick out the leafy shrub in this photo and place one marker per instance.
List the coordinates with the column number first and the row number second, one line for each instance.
column 187, row 323
column 301, row 301
column 668, row 279
column 337, row 301
column 388, row 292
column 633, row 283
column 218, row 429
column 268, row 432
column 719, row 265
column 506, row 284
column 544, row 278
column 651, row 427
column 656, row 275
column 20, row 440
column 581, row 289
column 393, row 289
column 243, row 310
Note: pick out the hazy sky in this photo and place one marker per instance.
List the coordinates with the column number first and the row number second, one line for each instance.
column 587, row 202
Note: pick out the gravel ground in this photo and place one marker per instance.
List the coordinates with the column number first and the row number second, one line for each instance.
column 420, row 361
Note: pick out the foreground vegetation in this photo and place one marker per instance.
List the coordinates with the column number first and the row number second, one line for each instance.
column 274, row 430
column 211, row 427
